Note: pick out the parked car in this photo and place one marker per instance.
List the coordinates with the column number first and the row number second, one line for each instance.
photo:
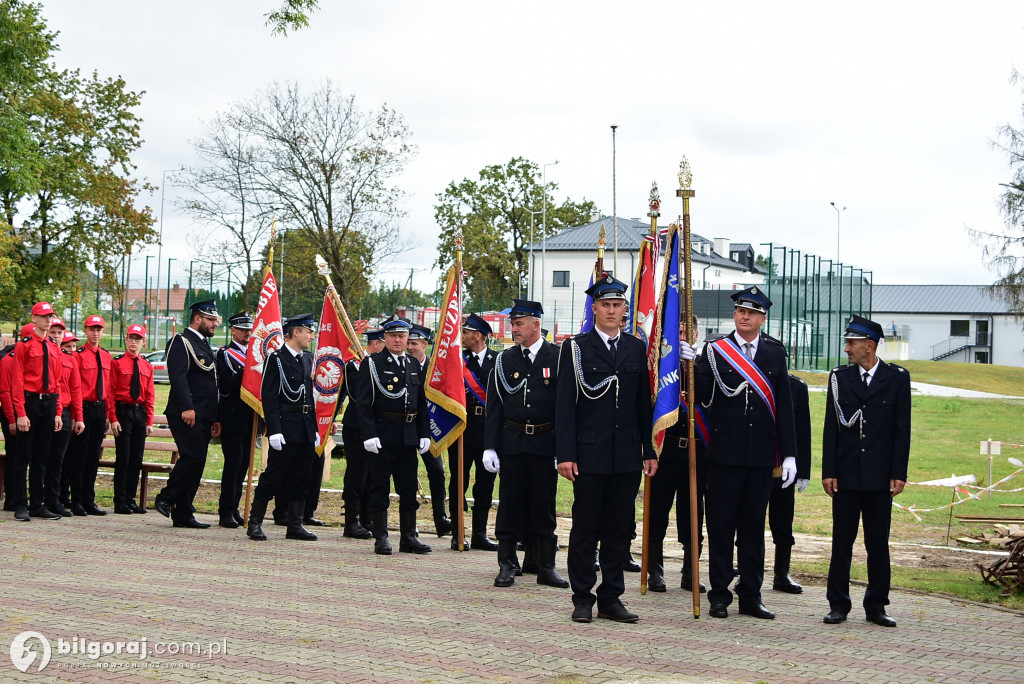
column 159, row 366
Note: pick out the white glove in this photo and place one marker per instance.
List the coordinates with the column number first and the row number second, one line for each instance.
column 372, row 445
column 277, row 441
column 788, row 471
column 424, row 445
column 686, row 352
column 316, row 442
column 801, row 485
column 490, row 459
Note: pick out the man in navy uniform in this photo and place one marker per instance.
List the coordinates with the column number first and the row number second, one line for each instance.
column 191, row 412
column 419, row 338
column 235, row 419
column 520, row 425
column 603, row 443
column 782, row 502
column 865, row 452
column 743, row 385
column 290, row 412
column 479, row 363
column 357, row 519
column 394, row 425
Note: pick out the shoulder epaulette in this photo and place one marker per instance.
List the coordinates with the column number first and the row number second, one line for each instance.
column 901, row 369
column 842, row 368
column 119, row 357
column 715, row 338
column 798, row 379
column 771, row 340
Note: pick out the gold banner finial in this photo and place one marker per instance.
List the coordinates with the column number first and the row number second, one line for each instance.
column 685, row 175
column 655, row 201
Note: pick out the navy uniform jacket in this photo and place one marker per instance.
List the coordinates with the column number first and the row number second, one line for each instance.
column 742, row 432
column 865, row 456
column 802, row 423
column 474, row 435
column 383, row 417
column 352, row 378
column 601, row 438
column 534, row 403
column 233, row 413
column 279, row 400
column 193, row 377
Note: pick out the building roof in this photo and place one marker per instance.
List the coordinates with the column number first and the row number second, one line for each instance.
column 631, row 235
column 959, row 299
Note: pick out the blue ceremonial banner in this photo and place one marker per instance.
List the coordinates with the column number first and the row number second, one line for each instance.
column 588, row 310
column 664, row 357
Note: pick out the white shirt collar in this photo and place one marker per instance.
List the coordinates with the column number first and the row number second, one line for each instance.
column 197, row 333
column 296, row 354
column 605, row 338
column 535, row 347
column 871, row 373
column 752, row 343
column 399, row 358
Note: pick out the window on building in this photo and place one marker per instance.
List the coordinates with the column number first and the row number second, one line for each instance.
column 561, row 279
column 959, row 328
column 981, row 357
column 718, row 272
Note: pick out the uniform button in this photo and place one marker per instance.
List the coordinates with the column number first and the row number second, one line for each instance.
column 527, row 391
column 751, row 425
column 527, row 406
column 863, row 450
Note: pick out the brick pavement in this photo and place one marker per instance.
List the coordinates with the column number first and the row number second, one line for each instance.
column 287, row 611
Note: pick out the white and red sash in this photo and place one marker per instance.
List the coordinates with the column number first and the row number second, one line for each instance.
column 748, row 370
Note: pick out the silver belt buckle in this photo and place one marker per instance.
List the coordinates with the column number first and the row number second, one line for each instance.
column 478, row 410
column 683, row 441
column 409, row 417
column 528, row 429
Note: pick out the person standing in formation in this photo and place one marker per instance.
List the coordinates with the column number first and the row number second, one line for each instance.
column 131, row 417
column 70, row 410
column 419, row 339
column 94, row 363
column 236, row 419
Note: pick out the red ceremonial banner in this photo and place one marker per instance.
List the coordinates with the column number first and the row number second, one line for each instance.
column 266, row 337
column 445, row 387
column 333, row 350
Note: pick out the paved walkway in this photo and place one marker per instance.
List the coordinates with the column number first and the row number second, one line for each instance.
column 285, row 611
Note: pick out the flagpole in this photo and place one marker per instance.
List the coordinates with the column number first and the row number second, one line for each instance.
column 684, row 191
column 339, row 308
column 255, row 415
column 461, row 475
column 655, row 203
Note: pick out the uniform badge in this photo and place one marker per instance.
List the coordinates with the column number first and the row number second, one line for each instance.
column 202, row 362
column 391, row 388
column 394, row 379
column 547, row 372
column 516, row 375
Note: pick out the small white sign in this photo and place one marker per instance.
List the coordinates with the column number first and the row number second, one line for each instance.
column 991, row 448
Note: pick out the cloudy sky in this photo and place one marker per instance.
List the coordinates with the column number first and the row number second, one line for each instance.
column 886, row 108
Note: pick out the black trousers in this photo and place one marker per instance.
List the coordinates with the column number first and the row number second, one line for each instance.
column 435, row 479
column 33, row 454
column 483, row 485
column 781, row 506
column 603, row 510
column 737, row 499
column 526, row 497
column 11, row 449
column 130, row 448
column 84, row 453
column 672, row 484
column 848, row 507
column 312, row 493
column 55, row 467
column 287, row 473
column 183, row 482
column 399, row 462
column 355, row 482
column 235, row 446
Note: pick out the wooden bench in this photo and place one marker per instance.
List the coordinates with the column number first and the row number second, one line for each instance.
column 147, row 467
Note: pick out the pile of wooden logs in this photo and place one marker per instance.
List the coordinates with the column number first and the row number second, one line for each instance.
column 1006, row 572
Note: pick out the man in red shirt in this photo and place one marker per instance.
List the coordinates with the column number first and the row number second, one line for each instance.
column 69, row 408
column 9, row 421
column 35, row 392
column 94, row 364
column 131, row 417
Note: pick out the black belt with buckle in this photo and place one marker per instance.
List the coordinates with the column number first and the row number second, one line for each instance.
column 404, row 417
column 42, row 396
column 478, row 410
column 130, row 406
column 94, row 404
column 297, row 408
column 683, row 441
column 530, row 428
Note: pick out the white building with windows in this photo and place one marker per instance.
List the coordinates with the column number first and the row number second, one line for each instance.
column 562, row 265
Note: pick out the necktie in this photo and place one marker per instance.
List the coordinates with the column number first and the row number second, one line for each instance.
column 526, row 354
column 99, row 376
column 865, row 378
column 136, row 386
column 748, row 349
column 611, row 345
column 46, row 366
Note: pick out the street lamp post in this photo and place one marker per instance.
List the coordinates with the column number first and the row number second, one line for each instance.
column 529, row 266
column 145, row 305
column 839, row 213
column 544, row 228
column 160, row 242
column 167, row 318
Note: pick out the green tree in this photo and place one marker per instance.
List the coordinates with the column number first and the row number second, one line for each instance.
column 494, row 215
column 292, row 15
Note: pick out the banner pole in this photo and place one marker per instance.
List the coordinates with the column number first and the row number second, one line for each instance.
column 461, row 494
column 655, row 204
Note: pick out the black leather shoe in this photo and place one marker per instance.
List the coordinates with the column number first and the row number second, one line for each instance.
column 880, row 618
column 687, row 583
column 656, row 582
column 480, row 542
column 162, row 506
column 616, row 611
column 191, row 523
column 757, row 610
column 92, row 509
column 630, row 564
column 238, row 517
column 77, row 509
column 123, row 510
column 43, row 512
column 59, row 509
column 21, row 513
column 313, row 522
column 354, row 530
column 583, row 614
column 834, row 617
column 719, row 610
column 137, row 508
column 465, row 544
column 443, row 526
column 227, row 520
column 785, row 584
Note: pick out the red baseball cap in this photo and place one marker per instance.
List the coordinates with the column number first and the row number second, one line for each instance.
column 28, row 330
column 93, row 321
column 136, row 329
column 69, row 337
column 58, row 322
column 42, row 309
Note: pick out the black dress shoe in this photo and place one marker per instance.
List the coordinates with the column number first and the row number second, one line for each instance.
column 880, row 618
column 583, row 614
column 834, row 617
column 43, row 512
column 238, row 517
column 191, row 523
column 354, row 530
column 785, row 584
column 757, row 610
column 616, row 611
column 465, row 544
column 162, row 506
column 21, row 513
column 719, row 610
column 123, row 510
column 92, row 509
column 630, row 564
column 228, row 521
column 77, row 509
column 656, row 583
column 313, row 522
column 687, row 583
column 57, row 508
column 137, row 508
column 480, row 542
column 443, row 526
